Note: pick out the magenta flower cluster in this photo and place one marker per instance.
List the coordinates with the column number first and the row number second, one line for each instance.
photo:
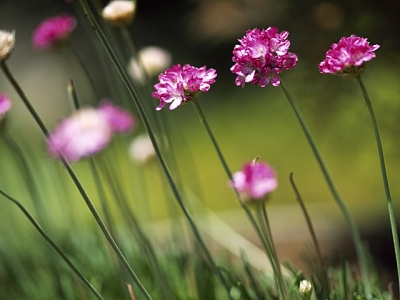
column 255, row 181
column 88, row 131
column 180, row 84
column 261, row 56
column 53, row 32
column 347, row 58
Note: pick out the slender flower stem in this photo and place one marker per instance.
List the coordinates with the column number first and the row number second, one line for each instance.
column 392, row 216
column 54, row 246
column 146, row 123
column 77, row 183
column 355, row 233
column 313, row 237
column 203, row 120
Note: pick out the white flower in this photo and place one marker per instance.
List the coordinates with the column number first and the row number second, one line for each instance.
column 7, row 42
column 141, row 149
column 119, row 12
column 305, row 289
column 154, row 60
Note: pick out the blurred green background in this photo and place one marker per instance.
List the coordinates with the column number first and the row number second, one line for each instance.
column 247, row 122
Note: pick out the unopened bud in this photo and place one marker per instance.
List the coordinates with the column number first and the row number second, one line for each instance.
column 305, row 289
column 7, row 42
column 119, row 12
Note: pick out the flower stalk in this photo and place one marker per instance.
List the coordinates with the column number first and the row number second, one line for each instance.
column 146, row 123
column 203, row 120
column 392, row 216
column 355, row 233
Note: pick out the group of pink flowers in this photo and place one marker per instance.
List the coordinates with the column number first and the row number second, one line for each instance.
column 259, row 58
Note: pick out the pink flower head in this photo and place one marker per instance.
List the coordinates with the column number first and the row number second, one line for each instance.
column 53, row 32
column 180, row 84
column 348, row 57
column 5, row 104
column 118, row 119
column 84, row 133
column 261, row 56
column 254, row 181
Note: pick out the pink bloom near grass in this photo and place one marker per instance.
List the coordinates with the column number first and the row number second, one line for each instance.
column 5, row 104
column 180, row 84
column 261, row 56
column 53, row 32
column 255, row 181
column 348, row 57
column 88, row 131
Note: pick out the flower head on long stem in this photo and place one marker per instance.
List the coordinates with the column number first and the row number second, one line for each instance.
column 179, row 85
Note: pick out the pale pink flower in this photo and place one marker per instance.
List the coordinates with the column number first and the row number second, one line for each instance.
column 180, row 84
column 118, row 119
column 348, row 57
column 54, row 32
column 261, row 56
column 255, row 181
column 88, row 131
column 5, row 104
column 83, row 134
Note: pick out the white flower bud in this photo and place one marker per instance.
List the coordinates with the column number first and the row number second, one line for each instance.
column 119, row 12
column 154, row 60
column 141, row 149
column 7, row 42
column 305, row 289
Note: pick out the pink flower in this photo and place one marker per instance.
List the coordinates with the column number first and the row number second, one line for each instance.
column 180, row 84
column 118, row 119
column 254, row 181
column 88, row 131
column 348, row 57
column 53, row 32
column 261, row 56
column 5, row 104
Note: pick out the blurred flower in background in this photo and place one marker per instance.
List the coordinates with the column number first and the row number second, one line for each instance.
column 5, row 104
column 54, row 32
column 7, row 42
column 118, row 119
column 119, row 12
column 88, row 131
column 154, row 61
column 141, row 149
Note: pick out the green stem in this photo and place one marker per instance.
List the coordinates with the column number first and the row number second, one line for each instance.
column 203, row 120
column 76, row 182
column 153, row 139
column 54, row 246
column 384, row 176
column 355, row 233
column 313, row 237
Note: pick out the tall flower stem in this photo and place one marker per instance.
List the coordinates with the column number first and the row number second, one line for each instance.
column 77, row 183
column 355, row 233
column 313, row 237
column 53, row 245
column 384, row 176
column 203, row 120
column 146, row 123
